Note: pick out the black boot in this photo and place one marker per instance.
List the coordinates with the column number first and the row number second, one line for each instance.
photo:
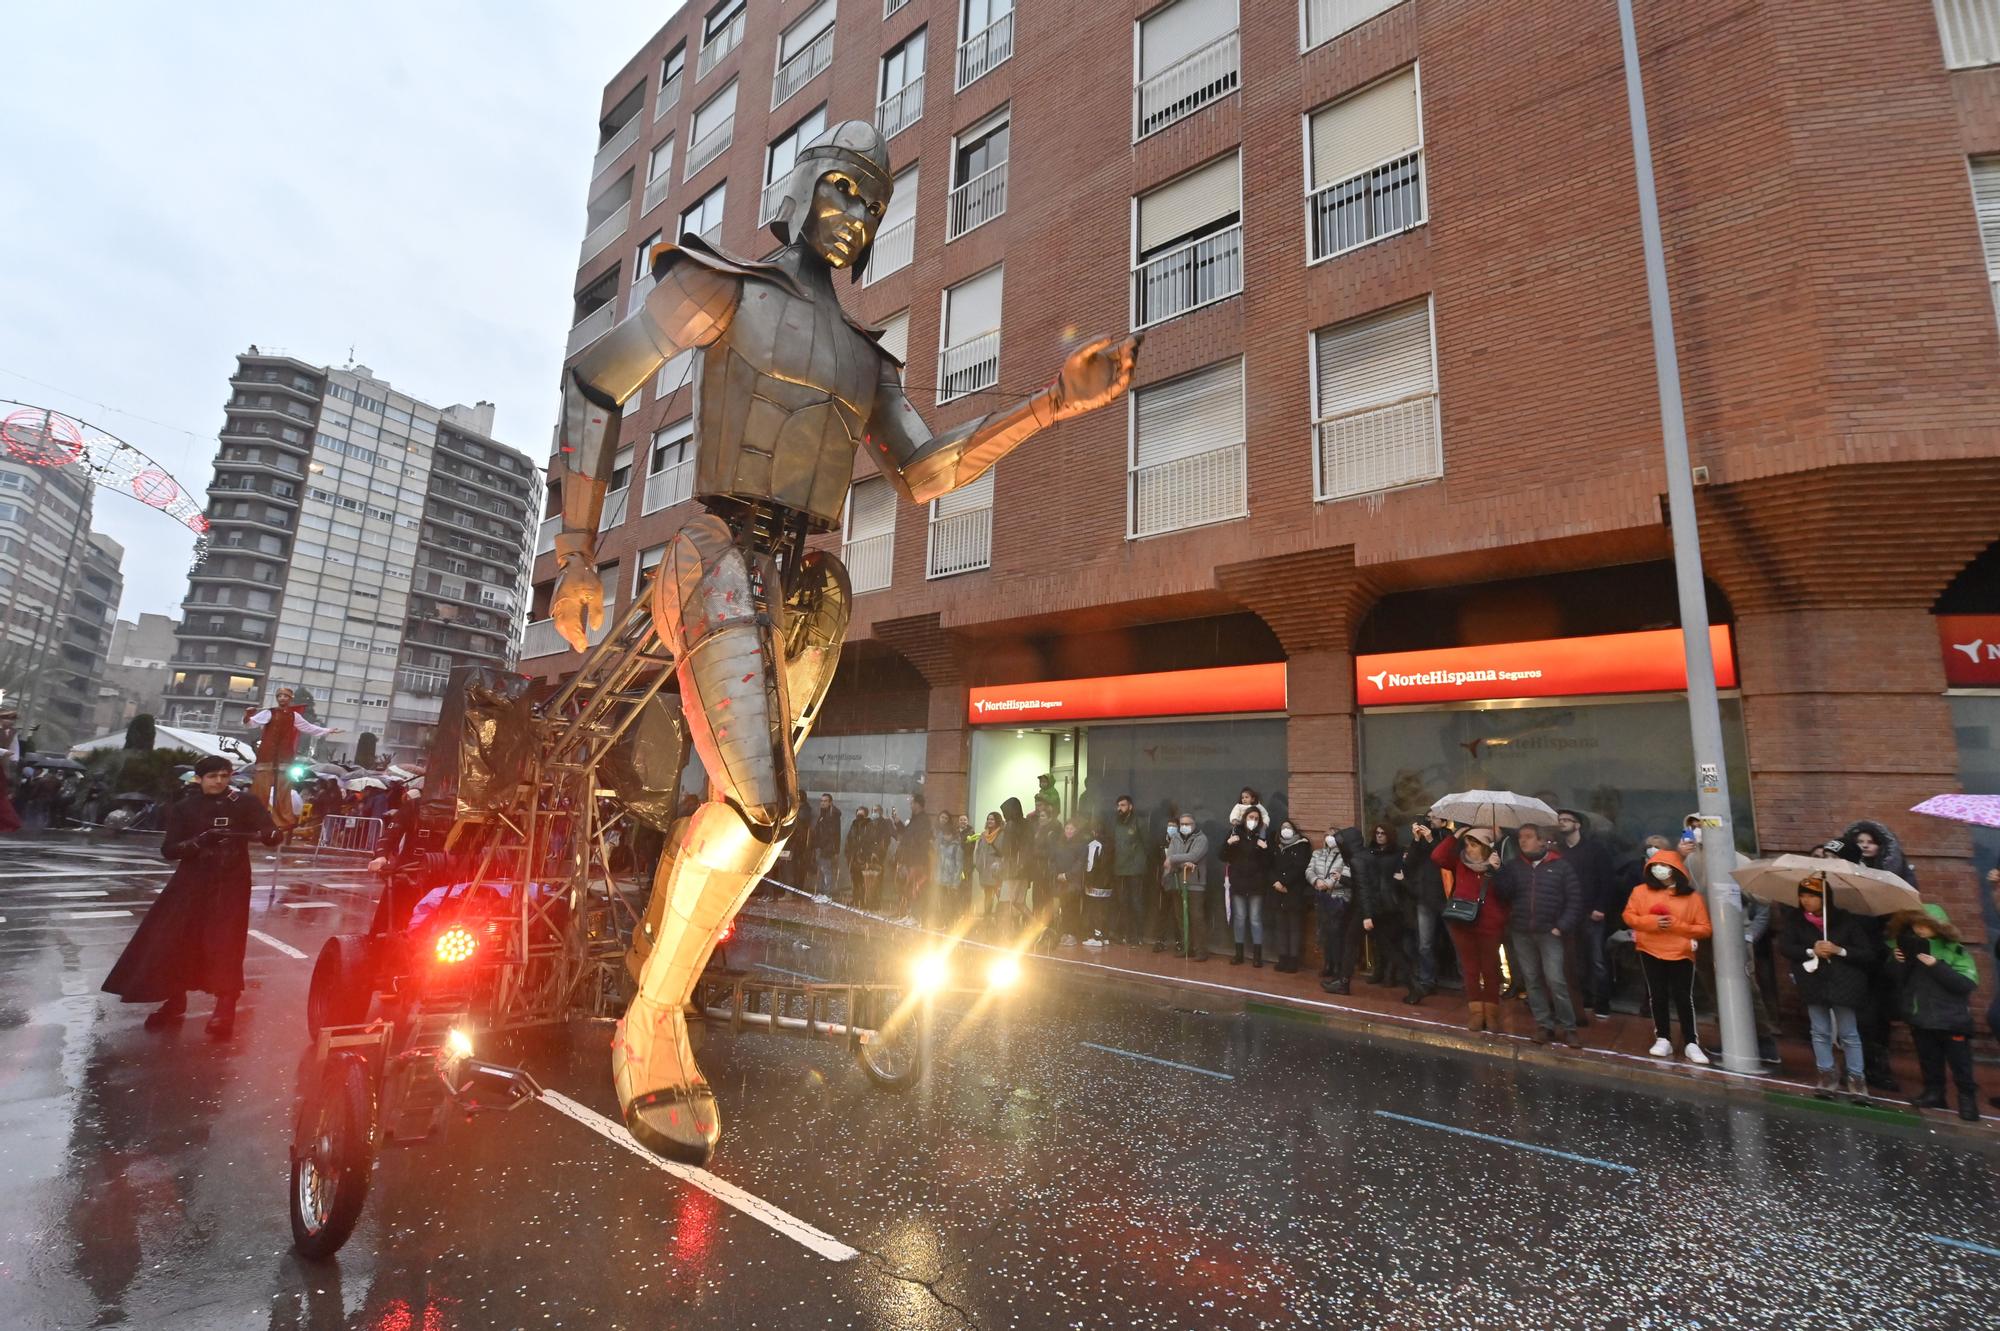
column 168, row 1013
column 1968, row 1106
column 1237, row 960
column 1256, row 954
column 1931, row 1098
column 222, row 1024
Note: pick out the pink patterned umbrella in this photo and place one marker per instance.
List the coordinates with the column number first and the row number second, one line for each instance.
column 1979, row 810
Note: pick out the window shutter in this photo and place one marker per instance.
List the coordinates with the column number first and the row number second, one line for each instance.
column 1196, row 200
column 802, row 34
column 1170, row 35
column 972, row 307
column 1329, row 18
column 1375, row 360
column 1986, row 202
column 967, row 498
column 1367, row 129
column 871, row 509
column 902, row 201
column 1196, row 413
column 715, row 110
column 896, row 335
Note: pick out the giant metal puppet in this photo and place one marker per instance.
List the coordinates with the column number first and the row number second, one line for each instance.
column 787, row 387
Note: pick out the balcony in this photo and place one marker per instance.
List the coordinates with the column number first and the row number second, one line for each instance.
column 892, row 251
column 901, row 109
column 868, row 561
column 960, row 543
column 1970, row 30
column 669, row 486
column 774, row 194
column 977, row 202
column 1378, row 448
column 1183, row 88
column 1327, row 19
column 719, row 46
column 802, row 68
column 668, row 98
column 403, row 707
column 969, row 366
column 542, row 639
column 890, row 7
column 614, row 147
column 657, row 190
column 422, row 681
column 601, row 236
column 591, row 327
column 545, row 539
column 1199, row 272
column 1366, row 206
column 709, row 147
column 1190, row 491
column 986, row 50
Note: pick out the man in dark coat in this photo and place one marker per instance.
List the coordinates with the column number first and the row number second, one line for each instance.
column 1546, row 904
column 1604, row 900
column 194, row 936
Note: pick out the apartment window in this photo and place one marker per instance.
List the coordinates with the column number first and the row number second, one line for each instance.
column 1986, row 203
column 605, row 218
column 896, row 234
column 979, row 175
column 1366, row 156
column 642, row 257
column 895, row 337
column 1186, row 57
column 671, row 71
column 649, row 559
column 720, row 32
column 804, row 50
column 714, row 125
column 1189, row 242
column 670, row 467
column 900, row 100
column 1970, row 30
column 1327, row 19
column 659, row 174
column 673, row 375
column 783, row 155
column 704, row 219
column 961, row 529
column 969, row 355
column 1375, row 417
column 618, row 131
column 1187, row 461
column 986, row 37
column 868, row 540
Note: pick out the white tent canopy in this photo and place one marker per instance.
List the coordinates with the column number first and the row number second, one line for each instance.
column 173, row 737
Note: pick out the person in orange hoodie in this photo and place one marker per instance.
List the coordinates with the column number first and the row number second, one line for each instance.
column 1668, row 920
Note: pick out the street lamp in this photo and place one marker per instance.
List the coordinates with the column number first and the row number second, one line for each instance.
column 1725, row 901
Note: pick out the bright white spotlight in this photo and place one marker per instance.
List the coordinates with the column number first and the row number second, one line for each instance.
column 930, row 972
column 457, row 1043
column 1004, row 972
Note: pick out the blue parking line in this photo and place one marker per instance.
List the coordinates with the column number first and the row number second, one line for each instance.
column 1509, row 1141
column 1163, row 1062
column 767, row 966
column 1979, row 1248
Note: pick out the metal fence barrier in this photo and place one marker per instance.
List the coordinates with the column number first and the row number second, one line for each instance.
column 339, row 831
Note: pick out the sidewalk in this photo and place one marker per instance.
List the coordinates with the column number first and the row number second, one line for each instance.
column 1614, row 1050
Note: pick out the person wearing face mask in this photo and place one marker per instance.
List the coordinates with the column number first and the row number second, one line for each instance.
column 1247, row 852
column 1289, row 893
column 1386, row 914
column 1545, row 906
column 1466, row 864
column 1333, row 895
column 1186, row 877
column 1669, row 920
column 1128, row 866
column 1834, row 956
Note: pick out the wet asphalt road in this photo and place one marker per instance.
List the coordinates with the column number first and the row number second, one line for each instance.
column 1262, row 1173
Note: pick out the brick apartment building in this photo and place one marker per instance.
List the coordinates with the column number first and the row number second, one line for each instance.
column 1395, row 428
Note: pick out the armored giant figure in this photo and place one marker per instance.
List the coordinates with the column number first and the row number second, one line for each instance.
column 786, row 388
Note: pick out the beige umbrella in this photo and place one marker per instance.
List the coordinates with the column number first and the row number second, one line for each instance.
column 1850, row 887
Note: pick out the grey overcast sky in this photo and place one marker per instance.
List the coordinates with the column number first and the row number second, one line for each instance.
column 182, row 180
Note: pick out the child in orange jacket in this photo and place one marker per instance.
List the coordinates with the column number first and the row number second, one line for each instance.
column 1668, row 920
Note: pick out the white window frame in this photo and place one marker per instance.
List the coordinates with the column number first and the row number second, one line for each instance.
column 1376, row 8
column 780, row 94
column 1138, row 264
column 1132, row 453
column 1139, row 82
column 717, row 43
column 673, row 80
column 847, row 530
column 683, row 438
column 1312, row 404
column 989, row 37
column 1001, row 117
column 884, row 95
column 701, row 206
column 767, row 197
column 1423, row 165
column 1968, row 38
column 727, row 131
column 944, row 331
column 931, row 573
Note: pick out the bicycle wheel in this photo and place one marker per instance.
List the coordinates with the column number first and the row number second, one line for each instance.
column 333, row 1158
column 893, row 1053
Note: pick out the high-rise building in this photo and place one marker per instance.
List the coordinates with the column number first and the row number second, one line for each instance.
column 59, row 588
column 1396, row 426
column 136, row 670
column 362, row 543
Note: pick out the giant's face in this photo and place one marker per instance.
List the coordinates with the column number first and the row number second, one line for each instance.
column 842, row 218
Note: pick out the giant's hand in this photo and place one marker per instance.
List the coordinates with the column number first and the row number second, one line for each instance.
column 1096, row 374
column 579, row 597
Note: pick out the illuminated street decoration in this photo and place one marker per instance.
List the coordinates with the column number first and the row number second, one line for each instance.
column 44, row 438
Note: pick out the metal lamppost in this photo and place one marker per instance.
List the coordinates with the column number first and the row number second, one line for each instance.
column 1725, row 901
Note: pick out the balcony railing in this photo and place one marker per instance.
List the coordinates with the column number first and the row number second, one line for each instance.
column 981, row 53
column 708, row 147
column 1366, row 206
column 1971, row 32
column 601, row 236
column 615, row 146
column 802, row 68
column 892, row 251
column 657, row 190
column 1327, row 19
column 774, row 194
column 669, row 486
column 402, row 707
column 591, row 327
column 545, row 537
column 668, row 97
column 422, row 681
column 969, row 366
column 1379, row 448
column 1190, row 491
column 1187, row 277
column 721, row 45
column 977, row 202
column 868, row 561
column 960, row 543
column 542, row 639
column 901, row 109
column 892, row 6
column 1186, row 86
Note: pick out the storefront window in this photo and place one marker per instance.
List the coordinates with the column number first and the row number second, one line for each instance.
column 881, row 769
column 1976, row 719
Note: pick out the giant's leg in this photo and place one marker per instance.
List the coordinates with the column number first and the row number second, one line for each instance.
column 718, row 608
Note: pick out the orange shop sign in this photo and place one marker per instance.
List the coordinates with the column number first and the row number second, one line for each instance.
column 1224, row 689
column 1971, row 646
column 1649, row 662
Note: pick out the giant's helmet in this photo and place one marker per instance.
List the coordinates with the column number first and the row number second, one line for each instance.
column 853, row 146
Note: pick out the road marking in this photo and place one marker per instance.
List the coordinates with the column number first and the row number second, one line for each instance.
column 1979, row 1248
column 309, row 905
column 1163, row 1062
column 813, row 1240
column 79, row 892
column 1508, row 1141
column 92, row 915
column 767, row 966
column 285, row 948
column 84, row 873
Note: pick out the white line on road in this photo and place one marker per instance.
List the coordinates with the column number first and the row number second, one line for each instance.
column 92, row 915
column 285, row 948
column 85, row 873
column 1979, row 1248
column 1508, row 1141
column 309, row 905
column 79, row 892
column 1163, row 1062
column 814, row 1240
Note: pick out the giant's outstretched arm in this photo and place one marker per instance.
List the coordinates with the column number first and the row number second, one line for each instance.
column 923, row 466
column 689, row 307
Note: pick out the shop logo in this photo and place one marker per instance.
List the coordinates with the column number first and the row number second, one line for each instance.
column 1376, row 679
column 1972, row 650
column 1388, row 679
column 985, row 705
